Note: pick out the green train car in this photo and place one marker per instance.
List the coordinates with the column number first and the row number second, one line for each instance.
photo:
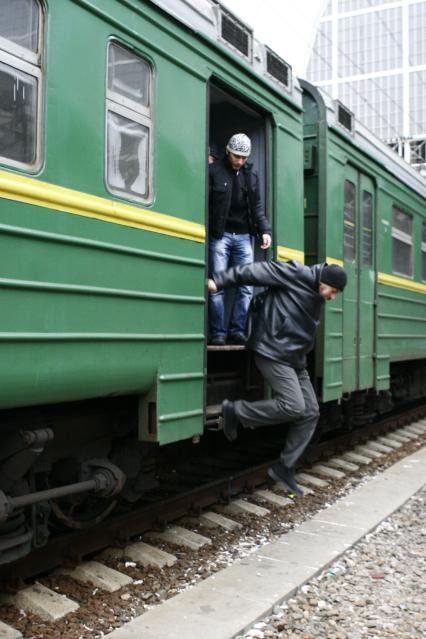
column 106, row 113
column 365, row 209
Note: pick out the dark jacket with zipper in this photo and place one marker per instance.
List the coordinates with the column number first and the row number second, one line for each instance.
column 220, row 194
column 288, row 318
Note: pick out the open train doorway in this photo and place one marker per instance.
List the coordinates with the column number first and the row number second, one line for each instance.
column 229, row 115
column 230, row 370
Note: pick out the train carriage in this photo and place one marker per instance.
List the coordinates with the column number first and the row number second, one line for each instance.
column 365, row 209
column 106, row 113
column 107, row 110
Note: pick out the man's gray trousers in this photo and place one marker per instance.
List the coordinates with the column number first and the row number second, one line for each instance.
column 293, row 402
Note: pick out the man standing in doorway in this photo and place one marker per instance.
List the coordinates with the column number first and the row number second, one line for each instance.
column 283, row 334
column 236, row 214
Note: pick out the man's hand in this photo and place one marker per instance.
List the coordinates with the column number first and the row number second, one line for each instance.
column 266, row 241
column 211, row 286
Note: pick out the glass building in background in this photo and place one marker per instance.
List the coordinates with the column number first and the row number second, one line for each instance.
column 371, row 55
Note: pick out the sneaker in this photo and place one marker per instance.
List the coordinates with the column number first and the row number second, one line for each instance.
column 217, row 340
column 285, row 476
column 237, row 338
column 230, row 421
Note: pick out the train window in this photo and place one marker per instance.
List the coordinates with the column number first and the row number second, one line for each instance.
column 349, row 221
column 128, row 124
column 424, row 251
column 367, row 228
column 19, row 23
column 402, row 242
column 20, row 82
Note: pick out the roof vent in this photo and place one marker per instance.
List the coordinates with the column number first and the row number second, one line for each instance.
column 278, row 69
column 236, row 33
column 345, row 117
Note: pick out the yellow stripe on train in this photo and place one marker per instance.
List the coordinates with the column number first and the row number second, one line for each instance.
column 51, row 196
column 401, row 282
column 284, row 254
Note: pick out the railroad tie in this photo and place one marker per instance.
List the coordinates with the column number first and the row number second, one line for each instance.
column 46, row 603
column 282, row 489
column 212, row 519
column 7, row 632
column 415, row 429
column 272, row 498
column 402, row 436
column 368, row 451
column 311, row 480
column 339, row 462
column 355, row 457
column 180, row 537
column 148, row 555
column 381, row 448
column 389, row 441
column 97, row 574
column 242, row 507
column 327, row 471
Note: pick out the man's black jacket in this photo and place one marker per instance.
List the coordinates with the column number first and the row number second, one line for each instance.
column 289, row 316
column 220, row 193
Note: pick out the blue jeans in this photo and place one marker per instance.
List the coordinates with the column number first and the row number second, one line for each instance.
column 232, row 249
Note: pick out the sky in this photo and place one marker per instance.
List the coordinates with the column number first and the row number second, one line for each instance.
column 286, row 26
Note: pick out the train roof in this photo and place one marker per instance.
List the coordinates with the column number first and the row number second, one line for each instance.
column 213, row 20
column 344, row 122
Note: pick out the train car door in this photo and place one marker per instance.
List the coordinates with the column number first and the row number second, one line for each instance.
column 231, row 372
column 358, row 316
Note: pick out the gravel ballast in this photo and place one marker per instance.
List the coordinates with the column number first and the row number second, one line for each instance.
column 376, row 590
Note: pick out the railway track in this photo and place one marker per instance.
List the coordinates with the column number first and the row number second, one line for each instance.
column 222, row 494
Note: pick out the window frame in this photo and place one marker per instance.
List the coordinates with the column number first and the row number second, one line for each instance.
column 405, row 238
column 126, row 108
column 367, row 232
column 423, row 250
column 350, row 223
column 29, row 62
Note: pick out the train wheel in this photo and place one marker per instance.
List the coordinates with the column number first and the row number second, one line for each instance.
column 81, row 511
column 78, row 510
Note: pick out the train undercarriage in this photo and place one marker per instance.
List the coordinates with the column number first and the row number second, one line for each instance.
column 69, row 466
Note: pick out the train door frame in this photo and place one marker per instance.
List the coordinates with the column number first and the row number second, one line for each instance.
column 366, row 282
column 359, row 294
column 256, row 116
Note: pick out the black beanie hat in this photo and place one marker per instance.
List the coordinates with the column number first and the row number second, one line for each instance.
column 334, row 276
